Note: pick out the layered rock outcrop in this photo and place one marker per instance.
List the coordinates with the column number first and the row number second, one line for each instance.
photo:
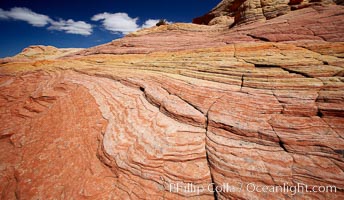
column 178, row 111
column 40, row 52
column 248, row 11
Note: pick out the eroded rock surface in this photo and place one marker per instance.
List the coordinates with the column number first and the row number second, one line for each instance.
column 40, row 52
column 248, row 11
column 145, row 116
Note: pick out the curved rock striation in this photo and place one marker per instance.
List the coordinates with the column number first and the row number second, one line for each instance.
column 181, row 111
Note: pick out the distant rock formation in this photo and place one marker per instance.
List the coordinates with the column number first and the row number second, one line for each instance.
column 176, row 111
column 40, row 52
column 248, row 11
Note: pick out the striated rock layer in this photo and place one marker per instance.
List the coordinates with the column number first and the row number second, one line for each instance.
column 176, row 111
column 248, row 11
column 40, row 52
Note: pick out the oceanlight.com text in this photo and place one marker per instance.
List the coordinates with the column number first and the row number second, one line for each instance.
column 298, row 188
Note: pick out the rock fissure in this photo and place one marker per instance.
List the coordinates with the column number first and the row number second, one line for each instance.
column 175, row 105
column 280, row 142
column 296, row 72
column 260, row 38
column 206, row 150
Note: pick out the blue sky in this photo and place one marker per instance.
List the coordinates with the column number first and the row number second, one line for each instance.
column 85, row 23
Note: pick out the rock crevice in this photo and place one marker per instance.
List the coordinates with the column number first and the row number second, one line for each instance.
column 166, row 108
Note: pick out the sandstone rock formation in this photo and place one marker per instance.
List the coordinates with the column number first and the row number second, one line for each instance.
column 222, row 20
column 145, row 116
column 40, row 52
column 248, row 11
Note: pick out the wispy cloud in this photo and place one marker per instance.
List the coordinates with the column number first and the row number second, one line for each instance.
column 71, row 26
column 39, row 20
column 122, row 23
column 117, row 23
column 26, row 15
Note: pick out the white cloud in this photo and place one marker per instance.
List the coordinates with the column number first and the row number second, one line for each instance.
column 117, row 22
column 26, row 15
column 3, row 14
column 71, row 26
column 150, row 23
column 39, row 20
column 122, row 23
